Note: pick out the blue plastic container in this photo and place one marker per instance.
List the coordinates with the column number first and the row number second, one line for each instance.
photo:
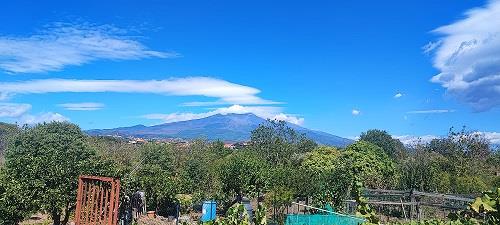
column 208, row 211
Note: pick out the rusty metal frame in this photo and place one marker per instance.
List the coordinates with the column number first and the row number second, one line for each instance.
column 97, row 201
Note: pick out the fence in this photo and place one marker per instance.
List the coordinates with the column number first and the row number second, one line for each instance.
column 97, row 201
column 412, row 204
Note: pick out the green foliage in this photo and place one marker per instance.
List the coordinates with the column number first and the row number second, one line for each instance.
column 197, row 165
column 323, row 177
column 489, row 205
column 460, row 163
column 45, row 162
column 436, row 222
column 322, row 159
column 260, row 217
column 368, row 163
column 391, row 146
column 278, row 143
column 185, row 201
column 236, row 215
column 423, row 170
column 14, row 205
column 241, row 174
column 363, row 209
column 7, row 131
column 123, row 155
column 155, row 176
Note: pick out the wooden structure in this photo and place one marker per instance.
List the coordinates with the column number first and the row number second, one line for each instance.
column 97, row 201
column 412, row 202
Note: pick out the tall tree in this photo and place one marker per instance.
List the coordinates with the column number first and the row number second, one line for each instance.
column 278, row 143
column 391, row 146
column 369, row 163
column 241, row 174
column 45, row 162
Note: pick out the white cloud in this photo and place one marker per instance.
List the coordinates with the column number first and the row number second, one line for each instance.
column 431, row 111
column 288, row 118
column 13, row 109
column 82, row 106
column 62, row 44
column 492, row 137
column 20, row 113
column 431, row 46
column 224, row 91
column 355, row 112
column 410, row 139
column 398, row 95
column 267, row 112
column 42, row 117
column 468, row 57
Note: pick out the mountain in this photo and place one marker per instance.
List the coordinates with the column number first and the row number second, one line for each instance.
column 229, row 127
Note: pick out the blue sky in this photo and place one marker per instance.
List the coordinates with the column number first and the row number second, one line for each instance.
column 412, row 68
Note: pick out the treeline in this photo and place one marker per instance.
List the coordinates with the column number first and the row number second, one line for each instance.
column 42, row 164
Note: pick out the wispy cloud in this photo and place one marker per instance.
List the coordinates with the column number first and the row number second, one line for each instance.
column 61, row 44
column 355, row 112
column 468, row 57
column 267, row 112
column 82, row 106
column 431, row 46
column 13, row 109
column 224, row 91
column 431, row 111
column 398, row 95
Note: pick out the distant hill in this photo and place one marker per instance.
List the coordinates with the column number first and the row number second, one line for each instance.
column 229, row 127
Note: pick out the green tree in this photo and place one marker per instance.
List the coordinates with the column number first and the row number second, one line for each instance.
column 278, row 143
column 198, row 168
column 369, row 164
column 425, row 171
column 391, row 146
column 241, row 174
column 155, row 176
column 13, row 207
column 323, row 177
column 45, row 162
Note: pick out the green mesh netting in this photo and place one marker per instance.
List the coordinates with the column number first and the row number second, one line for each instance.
column 318, row 219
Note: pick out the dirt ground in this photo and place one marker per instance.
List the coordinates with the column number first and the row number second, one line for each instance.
column 37, row 219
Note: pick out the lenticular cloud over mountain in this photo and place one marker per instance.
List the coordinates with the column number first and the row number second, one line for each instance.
column 468, row 57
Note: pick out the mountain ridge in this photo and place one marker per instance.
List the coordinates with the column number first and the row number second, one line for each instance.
column 228, row 127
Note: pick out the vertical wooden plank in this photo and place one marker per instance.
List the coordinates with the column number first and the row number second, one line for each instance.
column 101, row 202
column 106, row 203
column 85, row 212
column 116, row 202
column 95, row 202
column 79, row 200
column 111, row 199
column 92, row 204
